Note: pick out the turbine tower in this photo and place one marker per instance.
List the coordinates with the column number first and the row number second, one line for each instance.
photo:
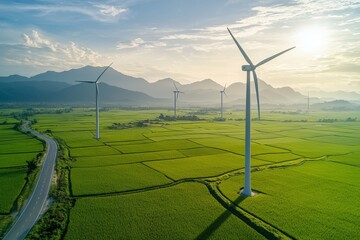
column 222, row 92
column 176, row 96
column 308, row 103
column 96, row 82
column 250, row 68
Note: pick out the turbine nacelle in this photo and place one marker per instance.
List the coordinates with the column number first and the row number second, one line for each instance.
column 247, row 68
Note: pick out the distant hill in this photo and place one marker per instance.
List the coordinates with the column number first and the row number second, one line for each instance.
column 330, row 96
column 107, row 94
column 59, row 92
column 200, row 93
column 13, row 78
column 29, row 91
column 337, row 105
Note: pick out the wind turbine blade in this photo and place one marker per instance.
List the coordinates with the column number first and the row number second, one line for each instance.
column 241, row 50
column 272, row 57
column 85, row 81
column 97, row 91
column 224, row 87
column 103, row 72
column 175, row 87
column 257, row 92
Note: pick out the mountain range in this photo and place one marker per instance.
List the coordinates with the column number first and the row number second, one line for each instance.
column 115, row 87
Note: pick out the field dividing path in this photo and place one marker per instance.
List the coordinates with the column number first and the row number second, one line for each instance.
column 36, row 203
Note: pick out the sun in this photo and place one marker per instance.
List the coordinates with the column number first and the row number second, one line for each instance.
column 312, row 39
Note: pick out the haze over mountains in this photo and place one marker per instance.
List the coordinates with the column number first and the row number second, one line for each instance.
column 115, row 87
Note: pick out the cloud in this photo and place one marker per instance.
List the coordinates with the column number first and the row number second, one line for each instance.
column 102, row 12
column 80, row 54
column 36, row 41
column 133, row 44
column 139, row 42
column 111, row 10
column 37, row 50
column 265, row 17
column 71, row 51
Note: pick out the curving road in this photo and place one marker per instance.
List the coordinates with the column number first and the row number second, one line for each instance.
column 36, row 203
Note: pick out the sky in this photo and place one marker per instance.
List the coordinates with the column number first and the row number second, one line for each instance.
column 187, row 40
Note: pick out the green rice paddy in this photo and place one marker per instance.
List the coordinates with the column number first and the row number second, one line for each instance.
column 181, row 180
column 184, row 211
column 12, row 181
column 15, row 149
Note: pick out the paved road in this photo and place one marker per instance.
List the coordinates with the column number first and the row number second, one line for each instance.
column 36, row 203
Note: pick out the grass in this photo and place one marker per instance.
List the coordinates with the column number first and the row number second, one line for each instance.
column 236, row 145
column 185, row 211
column 351, row 158
column 12, row 181
column 93, row 151
column 15, row 159
column 277, row 157
column 316, row 200
column 342, row 140
column 203, row 151
column 201, row 166
column 21, row 146
column 157, row 146
column 124, row 185
column 15, row 149
column 307, row 148
column 87, row 181
column 126, row 158
column 5, row 221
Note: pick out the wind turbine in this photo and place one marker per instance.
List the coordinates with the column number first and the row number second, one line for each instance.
column 308, row 103
column 96, row 82
column 176, row 96
column 250, row 68
column 222, row 92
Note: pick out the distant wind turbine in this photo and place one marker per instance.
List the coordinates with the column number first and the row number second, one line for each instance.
column 96, row 82
column 308, row 102
column 250, row 68
column 176, row 96
column 222, row 92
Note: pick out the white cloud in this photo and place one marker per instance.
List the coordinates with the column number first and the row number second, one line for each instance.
column 111, row 10
column 36, row 41
column 80, row 54
column 139, row 42
column 41, row 51
column 133, row 44
column 102, row 13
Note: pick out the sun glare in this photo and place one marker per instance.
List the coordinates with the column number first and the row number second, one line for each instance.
column 312, row 39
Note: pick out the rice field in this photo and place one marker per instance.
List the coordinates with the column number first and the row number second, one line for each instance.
column 15, row 149
column 12, row 181
column 316, row 200
column 184, row 211
column 159, row 182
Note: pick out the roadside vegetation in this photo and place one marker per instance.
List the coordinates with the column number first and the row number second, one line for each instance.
column 54, row 222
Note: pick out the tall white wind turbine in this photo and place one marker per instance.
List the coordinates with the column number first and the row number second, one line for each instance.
column 222, row 92
column 176, row 96
column 251, row 68
column 96, row 82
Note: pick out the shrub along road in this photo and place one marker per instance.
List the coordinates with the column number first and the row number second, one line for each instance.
column 36, row 203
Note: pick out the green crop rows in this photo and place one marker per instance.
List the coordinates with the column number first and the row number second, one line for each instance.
column 15, row 149
column 181, row 180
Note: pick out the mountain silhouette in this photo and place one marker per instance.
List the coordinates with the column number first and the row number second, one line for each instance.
column 117, row 87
